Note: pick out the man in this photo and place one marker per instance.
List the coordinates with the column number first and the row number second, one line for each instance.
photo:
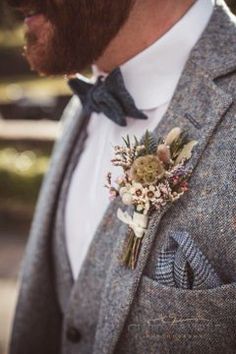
column 174, row 64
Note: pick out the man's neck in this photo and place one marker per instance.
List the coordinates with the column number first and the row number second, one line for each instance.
column 148, row 21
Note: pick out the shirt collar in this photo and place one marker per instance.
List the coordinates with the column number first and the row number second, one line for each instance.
column 152, row 75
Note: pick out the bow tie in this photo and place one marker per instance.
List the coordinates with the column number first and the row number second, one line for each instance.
column 109, row 96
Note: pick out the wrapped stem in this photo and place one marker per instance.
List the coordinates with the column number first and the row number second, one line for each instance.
column 132, row 251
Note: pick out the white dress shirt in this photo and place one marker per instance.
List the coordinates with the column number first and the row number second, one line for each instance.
column 151, row 78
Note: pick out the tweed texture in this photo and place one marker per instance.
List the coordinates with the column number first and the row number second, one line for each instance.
column 122, row 311
column 61, row 266
column 86, row 292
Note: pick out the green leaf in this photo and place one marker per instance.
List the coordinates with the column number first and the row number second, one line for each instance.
column 126, row 141
column 150, row 142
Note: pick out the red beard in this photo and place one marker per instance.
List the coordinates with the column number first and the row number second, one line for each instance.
column 70, row 35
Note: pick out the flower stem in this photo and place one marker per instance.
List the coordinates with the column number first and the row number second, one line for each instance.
column 132, row 250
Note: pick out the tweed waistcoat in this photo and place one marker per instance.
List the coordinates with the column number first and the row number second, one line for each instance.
column 86, row 291
column 121, row 311
column 70, row 294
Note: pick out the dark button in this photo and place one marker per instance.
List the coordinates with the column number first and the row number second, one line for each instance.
column 73, row 335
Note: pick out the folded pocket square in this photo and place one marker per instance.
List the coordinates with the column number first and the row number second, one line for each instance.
column 181, row 264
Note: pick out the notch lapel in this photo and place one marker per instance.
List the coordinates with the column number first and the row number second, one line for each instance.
column 40, row 229
column 197, row 106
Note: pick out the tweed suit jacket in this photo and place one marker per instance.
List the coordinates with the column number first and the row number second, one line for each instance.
column 134, row 312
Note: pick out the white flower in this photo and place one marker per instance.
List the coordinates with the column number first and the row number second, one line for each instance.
column 137, row 189
column 127, row 199
column 152, row 193
column 125, row 189
column 140, row 207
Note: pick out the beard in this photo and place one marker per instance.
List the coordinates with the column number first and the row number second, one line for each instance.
column 70, row 35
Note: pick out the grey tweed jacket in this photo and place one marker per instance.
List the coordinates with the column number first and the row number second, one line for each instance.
column 118, row 310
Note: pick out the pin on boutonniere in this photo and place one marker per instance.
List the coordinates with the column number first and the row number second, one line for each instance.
column 154, row 175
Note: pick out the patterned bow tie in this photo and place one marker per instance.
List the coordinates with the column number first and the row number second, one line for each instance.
column 108, row 96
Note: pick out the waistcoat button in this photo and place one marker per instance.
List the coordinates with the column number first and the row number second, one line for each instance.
column 73, row 335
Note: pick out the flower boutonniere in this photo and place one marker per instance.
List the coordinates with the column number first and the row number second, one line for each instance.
column 154, row 174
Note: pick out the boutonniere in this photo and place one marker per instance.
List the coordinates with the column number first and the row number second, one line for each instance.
column 154, row 174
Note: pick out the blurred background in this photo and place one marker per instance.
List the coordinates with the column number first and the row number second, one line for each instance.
column 30, row 108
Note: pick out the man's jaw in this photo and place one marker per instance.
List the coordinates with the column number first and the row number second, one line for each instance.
column 66, row 37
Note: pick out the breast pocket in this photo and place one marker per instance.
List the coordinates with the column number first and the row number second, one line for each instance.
column 170, row 320
column 182, row 264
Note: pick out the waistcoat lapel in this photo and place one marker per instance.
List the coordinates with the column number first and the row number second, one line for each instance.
column 198, row 106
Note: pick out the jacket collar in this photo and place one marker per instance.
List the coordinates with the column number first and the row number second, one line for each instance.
column 219, row 40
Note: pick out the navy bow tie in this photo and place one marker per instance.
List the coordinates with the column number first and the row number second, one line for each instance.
column 108, row 96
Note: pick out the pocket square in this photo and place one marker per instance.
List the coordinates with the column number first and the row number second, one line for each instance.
column 181, row 264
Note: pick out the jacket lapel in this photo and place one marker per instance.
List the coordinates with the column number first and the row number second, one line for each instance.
column 73, row 128
column 197, row 106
